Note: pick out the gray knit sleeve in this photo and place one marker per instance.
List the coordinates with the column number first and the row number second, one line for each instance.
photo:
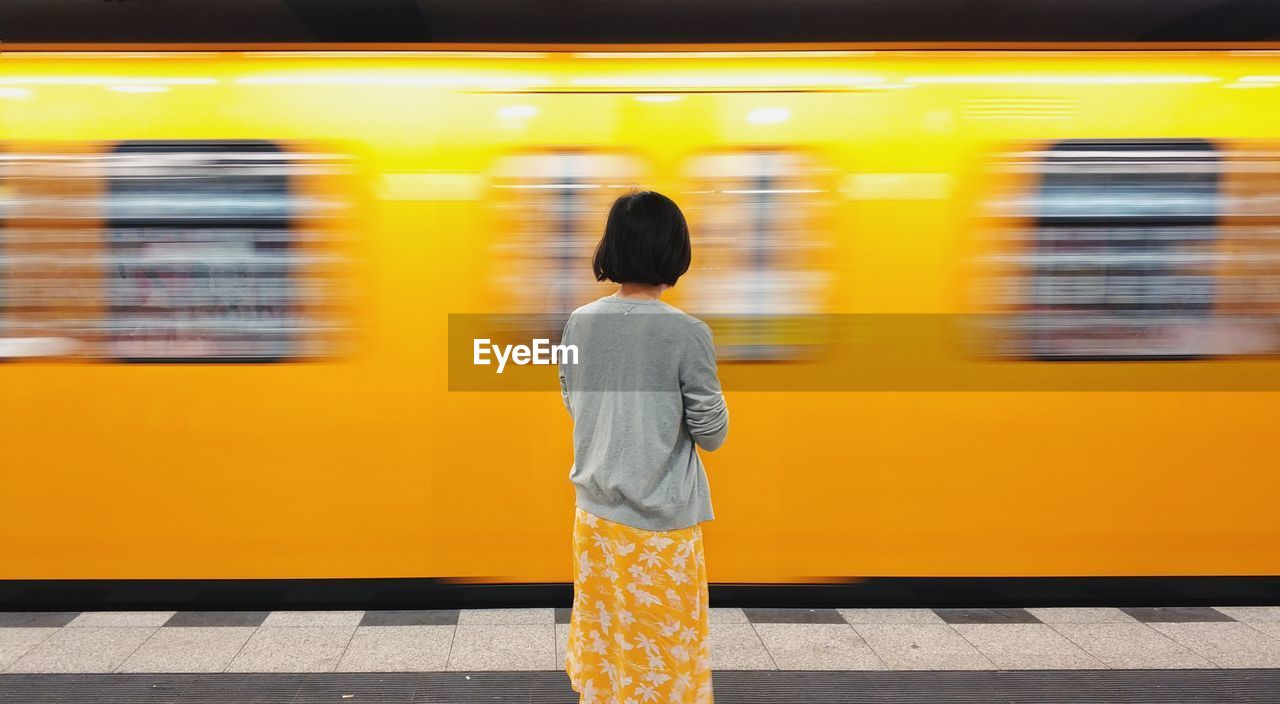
column 564, row 385
column 705, row 413
column 564, row 391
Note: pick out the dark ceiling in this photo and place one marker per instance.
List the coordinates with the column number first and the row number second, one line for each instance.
column 637, row 21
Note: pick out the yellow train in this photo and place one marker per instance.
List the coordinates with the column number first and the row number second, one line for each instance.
column 980, row 313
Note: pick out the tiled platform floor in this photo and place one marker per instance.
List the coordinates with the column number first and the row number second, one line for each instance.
column 506, row 640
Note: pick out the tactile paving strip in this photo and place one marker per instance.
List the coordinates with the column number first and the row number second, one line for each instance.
column 731, row 687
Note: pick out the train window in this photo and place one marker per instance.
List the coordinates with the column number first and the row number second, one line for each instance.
column 201, row 256
column 1120, row 253
column 174, row 251
column 1249, row 282
column 551, row 209
column 46, row 252
column 758, row 223
column 6, row 332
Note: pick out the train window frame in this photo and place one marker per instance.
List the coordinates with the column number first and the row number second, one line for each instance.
column 1202, row 231
column 285, row 223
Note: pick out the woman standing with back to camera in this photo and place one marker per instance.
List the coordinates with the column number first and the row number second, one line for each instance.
column 642, row 394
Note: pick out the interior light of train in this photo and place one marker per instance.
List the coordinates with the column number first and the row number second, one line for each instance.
column 658, row 98
column 1063, row 80
column 768, row 116
column 443, row 80
column 19, row 93
column 138, row 89
column 517, row 112
column 431, row 53
column 691, row 80
column 113, row 55
column 551, row 186
column 442, row 186
column 896, row 186
column 746, row 191
column 101, row 81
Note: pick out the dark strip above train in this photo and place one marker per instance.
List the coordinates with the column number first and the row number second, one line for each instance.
column 652, row 21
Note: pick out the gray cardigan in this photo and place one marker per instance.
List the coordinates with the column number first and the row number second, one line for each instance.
column 643, row 392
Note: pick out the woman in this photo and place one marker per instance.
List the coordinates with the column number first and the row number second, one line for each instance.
column 642, row 393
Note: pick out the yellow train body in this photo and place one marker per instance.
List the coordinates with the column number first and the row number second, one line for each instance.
column 365, row 464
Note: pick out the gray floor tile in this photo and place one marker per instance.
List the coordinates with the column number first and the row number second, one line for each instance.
column 16, row 642
column 922, row 647
column 1271, row 628
column 986, row 616
column 436, row 617
column 188, row 649
column 506, row 617
column 1225, row 644
column 313, row 619
column 905, row 616
column 1130, row 646
column 36, row 619
column 793, row 616
column 121, row 619
column 1026, row 646
column 737, row 646
column 563, row 615
column 817, row 646
column 1080, row 615
column 562, row 643
column 726, row 615
column 504, row 647
column 398, row 649
column 1252, row 614
column 293, row 649
column 83, row 650
column 1175, row 614
column 217, row 619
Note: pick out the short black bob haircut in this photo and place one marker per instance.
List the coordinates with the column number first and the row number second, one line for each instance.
column 646, row 241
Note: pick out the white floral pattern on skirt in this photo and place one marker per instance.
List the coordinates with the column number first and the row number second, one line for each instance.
column 639, row 629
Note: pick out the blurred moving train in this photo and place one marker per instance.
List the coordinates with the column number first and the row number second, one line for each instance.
column 995, row 314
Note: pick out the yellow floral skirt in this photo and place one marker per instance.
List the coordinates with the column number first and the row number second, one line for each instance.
column 638, row 632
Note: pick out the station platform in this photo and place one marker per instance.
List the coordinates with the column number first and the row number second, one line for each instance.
column 759, row 655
